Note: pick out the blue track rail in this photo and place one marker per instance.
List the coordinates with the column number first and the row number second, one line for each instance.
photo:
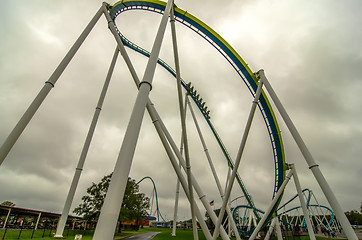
column 155, row 190
column 308, row 205
column 241, row 229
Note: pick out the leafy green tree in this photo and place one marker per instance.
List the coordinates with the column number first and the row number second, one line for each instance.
column 134, row 205
column 354, row 217
column 8, row 203
column 210, row 223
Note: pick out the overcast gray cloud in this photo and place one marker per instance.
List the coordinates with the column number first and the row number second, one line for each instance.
column 310, row 52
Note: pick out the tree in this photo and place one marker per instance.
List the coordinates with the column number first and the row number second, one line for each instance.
column 354, row 217
column 210, row 223
column 134, row 205
column 8, row 203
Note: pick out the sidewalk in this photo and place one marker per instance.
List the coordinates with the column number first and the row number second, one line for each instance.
column 340, row 235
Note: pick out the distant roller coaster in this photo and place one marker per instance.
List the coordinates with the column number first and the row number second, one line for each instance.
column 155, row 194
column 322, row 217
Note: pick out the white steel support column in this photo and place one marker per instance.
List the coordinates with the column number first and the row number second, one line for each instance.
column 278, row 229
column 183, row 123
column 313, row 166
column 176, row 206
column 78, row 171
column 150, row 106
column 162, row 134
column 270, row 230
column 271, row 206
column 251, row 219
column 228, row 211
column 197, row 187
column 254, row 220
column 152, row 111
column 302, row 202
column 239, row 155
column 29, row 113
column 162, row 130
column 228, row 177
column 177, row 188
column 112, row 203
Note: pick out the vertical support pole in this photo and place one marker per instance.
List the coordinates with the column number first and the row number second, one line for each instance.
column 150, row 106
column 227, row 178
column 216, row 178
column 299, row 220
column 197, row 187
column 313, row 166
column 78, row 171
column 152, row 200
column 158, row 123
column 21, row 229
column 163, row 134
column 238, row 157
column 183, row 123
column 29, row 113
column 176, row 206
column 254, row 220
column 4, row 233
column 278, row 229
column 112, row 203
column 161, row 129
column 37, row 221
column 251, row 218
column 32, row 233
column 7, row 218
column 274, row 201
column 177, row 187
column 302, row 203
column 270, row 230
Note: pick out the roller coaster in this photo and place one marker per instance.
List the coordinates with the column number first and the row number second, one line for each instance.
column 154, row 199
column 291, row 216
column 248, row 220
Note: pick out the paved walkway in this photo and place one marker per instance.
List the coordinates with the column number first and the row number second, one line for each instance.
column 340, row 235
column 141, row 236
column 358, row 233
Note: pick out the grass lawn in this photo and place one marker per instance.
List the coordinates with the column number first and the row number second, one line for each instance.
column 165, row 234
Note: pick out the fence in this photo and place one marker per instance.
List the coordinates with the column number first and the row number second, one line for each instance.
column 21, row 233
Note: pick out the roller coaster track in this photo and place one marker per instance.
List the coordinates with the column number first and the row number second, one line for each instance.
column 242, row 231
column 295, row 196
column 308, row 205
column 327, row 224
column 155, row 191
column 312, row 205
column 235, row 61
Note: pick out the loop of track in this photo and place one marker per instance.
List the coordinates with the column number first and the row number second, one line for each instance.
column 235, row 61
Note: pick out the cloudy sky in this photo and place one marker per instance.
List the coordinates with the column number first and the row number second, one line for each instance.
column 311, row 55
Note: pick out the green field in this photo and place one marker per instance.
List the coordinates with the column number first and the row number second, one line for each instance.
column 165, row 234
